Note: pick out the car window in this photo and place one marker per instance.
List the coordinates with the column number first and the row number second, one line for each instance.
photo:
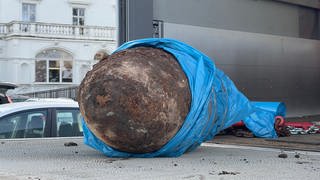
column 68, row 122
column 30, row 124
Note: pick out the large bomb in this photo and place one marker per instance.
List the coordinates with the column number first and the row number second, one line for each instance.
column 136, row 100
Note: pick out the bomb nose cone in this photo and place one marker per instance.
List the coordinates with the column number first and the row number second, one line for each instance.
column 136, row 100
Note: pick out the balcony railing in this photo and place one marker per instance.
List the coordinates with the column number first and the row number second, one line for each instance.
column 50, row 30
column 70, row 92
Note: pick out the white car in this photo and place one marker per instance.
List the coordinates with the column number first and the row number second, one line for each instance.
column 49, row 100
column 40, row 119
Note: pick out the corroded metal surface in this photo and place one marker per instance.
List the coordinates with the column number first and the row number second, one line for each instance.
column 135, row 100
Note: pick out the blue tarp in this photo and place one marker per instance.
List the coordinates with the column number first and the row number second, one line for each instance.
column 216, row 104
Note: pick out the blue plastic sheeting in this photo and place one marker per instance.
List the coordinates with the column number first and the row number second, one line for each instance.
column 261, row 121
column 278, row 108
column 216, row 104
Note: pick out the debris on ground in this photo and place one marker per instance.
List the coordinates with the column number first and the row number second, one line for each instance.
column 228, row 173
column 110, row 160
column 283, row 155
column 244, row 160
column 70, row 144
column 303, row 162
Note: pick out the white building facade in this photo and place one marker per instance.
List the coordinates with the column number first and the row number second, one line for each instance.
column 50, row 44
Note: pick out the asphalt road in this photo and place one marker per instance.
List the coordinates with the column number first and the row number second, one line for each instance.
column 307, row 142
column 51, row 159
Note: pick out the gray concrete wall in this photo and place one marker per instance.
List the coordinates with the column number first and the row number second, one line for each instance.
column 309, row 3
column 135, row 19
column 139, row 19
column 267, row 17
column 264, row 67
column 257, row 43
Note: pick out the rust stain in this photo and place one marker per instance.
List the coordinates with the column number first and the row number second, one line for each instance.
column 102, row 100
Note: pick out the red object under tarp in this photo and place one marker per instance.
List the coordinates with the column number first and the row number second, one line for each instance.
column 238, row 124
column 303, row 125
column 281, row 125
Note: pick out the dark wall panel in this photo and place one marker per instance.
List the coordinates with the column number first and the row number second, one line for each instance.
column 263, row 16
column 264, row 67
column 135, row 19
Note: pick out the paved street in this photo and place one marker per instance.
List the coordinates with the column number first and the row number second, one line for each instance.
column 51, row 159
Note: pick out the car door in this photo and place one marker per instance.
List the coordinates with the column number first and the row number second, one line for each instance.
column 66, row 122
column 25, row 124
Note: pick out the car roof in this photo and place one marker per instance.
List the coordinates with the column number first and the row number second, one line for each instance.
column 6, row 109
column 4, row 86
column 49, row 100
column 7, row 85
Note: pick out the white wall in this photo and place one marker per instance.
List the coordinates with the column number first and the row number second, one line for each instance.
column 102, row 12
column 1, row 10
column 9, row 10
column 2, row 48
column 17, row 54
column 3, row 70
column 22, row 51
column 28, row 48
column 98, row 12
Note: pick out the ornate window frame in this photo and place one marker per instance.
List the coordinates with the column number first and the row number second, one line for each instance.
column 54, row 66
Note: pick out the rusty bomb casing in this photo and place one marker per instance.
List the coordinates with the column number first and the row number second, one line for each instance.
column 136, row 100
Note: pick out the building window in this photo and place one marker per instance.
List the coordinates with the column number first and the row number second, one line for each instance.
column 67, row 71
column 54, row 70
column 78, row 18
column 28, row 12
column 54, row 66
